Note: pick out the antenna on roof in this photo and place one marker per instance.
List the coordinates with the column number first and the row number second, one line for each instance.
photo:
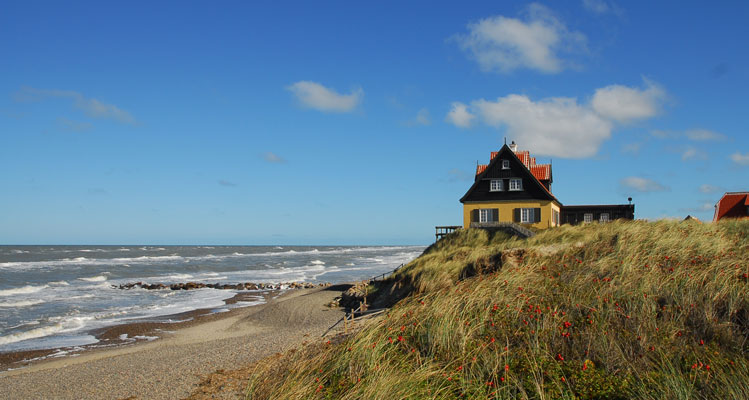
column 505, row 140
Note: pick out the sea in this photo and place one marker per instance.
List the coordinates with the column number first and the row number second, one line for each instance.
column 55, row 296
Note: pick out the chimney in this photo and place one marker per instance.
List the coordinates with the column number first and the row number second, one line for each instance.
column 513, row 147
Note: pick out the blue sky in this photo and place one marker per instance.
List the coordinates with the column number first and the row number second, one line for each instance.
column 340, row 123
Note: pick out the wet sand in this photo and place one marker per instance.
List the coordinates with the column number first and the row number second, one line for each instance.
column 171, row 367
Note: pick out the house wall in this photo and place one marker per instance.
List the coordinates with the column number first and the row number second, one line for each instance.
column 574, row 215
column 506, row 211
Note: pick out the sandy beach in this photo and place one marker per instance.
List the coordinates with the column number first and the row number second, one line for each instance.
column 171, row 367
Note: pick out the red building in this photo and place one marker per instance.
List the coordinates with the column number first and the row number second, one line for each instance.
column 732, row 205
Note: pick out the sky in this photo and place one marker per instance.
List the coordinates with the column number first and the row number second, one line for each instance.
column 355, row 122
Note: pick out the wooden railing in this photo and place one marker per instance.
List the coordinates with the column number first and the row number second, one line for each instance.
column 442, row 231
column 363, row 308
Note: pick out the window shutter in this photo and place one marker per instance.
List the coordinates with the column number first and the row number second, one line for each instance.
column 537, row 214
column 516, row 215
column 495, row 214
column 475, row 216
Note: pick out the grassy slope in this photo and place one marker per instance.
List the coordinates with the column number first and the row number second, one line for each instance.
column 621, row 310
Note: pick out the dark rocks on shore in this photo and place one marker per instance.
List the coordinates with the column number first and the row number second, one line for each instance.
column 237, row 286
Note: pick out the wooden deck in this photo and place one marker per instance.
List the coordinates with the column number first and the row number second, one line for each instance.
column 442, row 231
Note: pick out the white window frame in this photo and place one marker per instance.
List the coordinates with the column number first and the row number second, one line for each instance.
column 602, row 219
column 516, row 184
column 485, row 215
column 526, row 216
column 588, row 218
column 505, row 164
column 499, row 187
column 555, row 217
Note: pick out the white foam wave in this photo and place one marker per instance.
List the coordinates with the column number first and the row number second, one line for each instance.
column 22, row 303
column 180, row 259
column 58, row 283
column 22, row 290
column 98, row 278
column 317, row 262
column 19, row 251
column 83, row 296
column 43, row 331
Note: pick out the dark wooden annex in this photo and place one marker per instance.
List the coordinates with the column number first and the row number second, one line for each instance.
column 602, row 213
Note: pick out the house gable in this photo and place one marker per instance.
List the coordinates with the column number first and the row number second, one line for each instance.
column 481, row 191
column 732, row 205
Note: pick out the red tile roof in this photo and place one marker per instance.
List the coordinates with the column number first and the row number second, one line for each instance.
column 732, row 205
column 542, row 172
column 524, row 156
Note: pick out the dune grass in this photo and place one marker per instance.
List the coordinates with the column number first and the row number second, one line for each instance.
column 612, row 311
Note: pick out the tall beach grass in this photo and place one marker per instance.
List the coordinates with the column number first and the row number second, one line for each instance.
column 647, row 310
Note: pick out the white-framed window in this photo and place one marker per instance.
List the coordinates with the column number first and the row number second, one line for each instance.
column 604, row 217
column 526, row 215
column 516, row 184
column 496, row 185
column 505, row 164
column 486, row 215
column 555, row 217
column 588, row 218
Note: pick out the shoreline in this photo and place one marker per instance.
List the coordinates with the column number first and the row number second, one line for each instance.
column 173, row 365
column 138, row 331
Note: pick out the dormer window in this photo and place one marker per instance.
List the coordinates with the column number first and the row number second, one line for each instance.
column 505, row 164
column 496, row 185
column 516, row 184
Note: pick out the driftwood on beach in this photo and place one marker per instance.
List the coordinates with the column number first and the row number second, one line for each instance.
column 201, row 285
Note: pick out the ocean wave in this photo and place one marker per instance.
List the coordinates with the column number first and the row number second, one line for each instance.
column 83, row 296
column 19, row 251
column 98, row 278
column 22, row 290
column 58, row 283
column 186, row 259
column 22, row 303
column 317, row 262
column 43, row 331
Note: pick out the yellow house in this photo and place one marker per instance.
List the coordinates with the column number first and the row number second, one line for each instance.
column 511, row 188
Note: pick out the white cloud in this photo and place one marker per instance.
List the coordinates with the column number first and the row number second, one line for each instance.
column 703, row 135
column 707, row 188
column 703, row 207
column 602, row 7
column 556, row 127
column 318, row 97
column 597, row 6
column 741, row 159
column 697, row 135
column 504, row 44
column 90, row 106
column 642, row 185
column 626, row 104
column 459, row 115
column 75, row 126
column 422, row 118
column 273, row 158
column 632, row 148
column 692, row 153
